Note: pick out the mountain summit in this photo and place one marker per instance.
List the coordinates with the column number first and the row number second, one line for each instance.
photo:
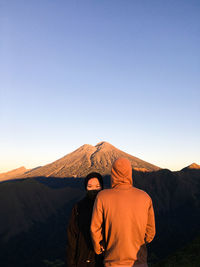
column 88, row 158
column 13, row 173
column 192, row 166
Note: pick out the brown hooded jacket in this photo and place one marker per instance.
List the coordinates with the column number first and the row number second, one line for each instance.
column 123, row 218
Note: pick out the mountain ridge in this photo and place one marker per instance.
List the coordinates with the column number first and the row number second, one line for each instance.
column 89, row 158
column 13, row 173
column 193, row 166
column 85, row 159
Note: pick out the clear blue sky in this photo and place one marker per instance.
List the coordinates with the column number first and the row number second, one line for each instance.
column 77, row 72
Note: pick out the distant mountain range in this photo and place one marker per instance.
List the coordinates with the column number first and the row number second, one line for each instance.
column 79, row 163
column 12, row 174
column 83, row 160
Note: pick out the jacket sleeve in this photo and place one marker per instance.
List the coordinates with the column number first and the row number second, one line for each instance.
column 72, row 237
column 150, row 229
column 97, row 225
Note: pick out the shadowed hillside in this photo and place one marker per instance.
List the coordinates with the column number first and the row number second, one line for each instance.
column 25, row 202
column 35, row 213
column 187, row 256
column 176, row 200
column 35, row 208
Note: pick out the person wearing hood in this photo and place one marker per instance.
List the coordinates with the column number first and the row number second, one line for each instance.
column 80, row 251
column 123, row 220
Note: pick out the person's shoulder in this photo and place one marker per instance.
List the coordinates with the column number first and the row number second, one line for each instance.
column 142, row 193
column 103, row 193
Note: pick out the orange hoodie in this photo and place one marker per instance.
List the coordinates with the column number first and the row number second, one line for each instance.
column 123, row 218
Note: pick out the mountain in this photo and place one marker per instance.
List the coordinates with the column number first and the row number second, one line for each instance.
column 11, row 174
column 192, row 166
column 34, row 216
column 26, row 201
column 35, row 210
column 85, row 159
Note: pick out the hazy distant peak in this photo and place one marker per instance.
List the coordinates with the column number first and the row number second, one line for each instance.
column 13, row 173
column 15, row 170
column 193, row 166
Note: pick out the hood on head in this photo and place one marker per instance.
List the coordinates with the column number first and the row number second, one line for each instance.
column 121, row 172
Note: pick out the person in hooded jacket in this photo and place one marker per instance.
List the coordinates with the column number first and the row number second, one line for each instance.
column 80, row 251
column 126, row 216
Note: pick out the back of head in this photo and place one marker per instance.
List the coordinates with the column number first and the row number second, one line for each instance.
column 121, row 172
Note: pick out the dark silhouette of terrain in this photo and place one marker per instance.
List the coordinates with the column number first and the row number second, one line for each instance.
column 35, row 206
column 186, row 256
column 35, row 211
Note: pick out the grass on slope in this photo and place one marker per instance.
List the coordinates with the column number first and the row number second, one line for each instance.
column 188, row 256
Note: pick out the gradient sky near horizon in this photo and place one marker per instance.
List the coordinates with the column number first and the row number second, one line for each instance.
column 81, row 72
